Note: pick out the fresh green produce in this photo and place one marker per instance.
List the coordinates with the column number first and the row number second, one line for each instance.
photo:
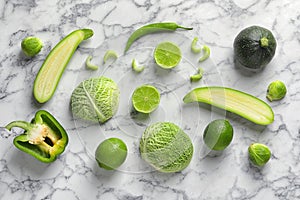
column 111, row 153
column 259, row 154
column 90, row 65
column 218, row 134
column 152, row 28
column 145, row 99
column 166, row 147
column 206, row 54
column 235, row 101
column 194, row 47
column 95, row 99
column 110, row 54
column 198, row 76
column 44, row 138
column 167, row 55
column 276, row 90
column 136, row 67
column 51, row 71
column 254, row 47
column 31, row 46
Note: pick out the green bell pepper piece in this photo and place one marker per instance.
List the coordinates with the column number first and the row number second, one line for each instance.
column 44, row 138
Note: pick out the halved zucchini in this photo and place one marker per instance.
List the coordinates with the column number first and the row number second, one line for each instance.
column 235, row 101
column 49, row 74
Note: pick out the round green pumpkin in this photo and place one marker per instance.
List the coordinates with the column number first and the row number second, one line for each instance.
column 254, row 47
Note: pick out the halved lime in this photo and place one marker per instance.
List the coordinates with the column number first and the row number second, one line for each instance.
column 111, row 153
column 145, row 99
column 167, row 55
column 218, row 134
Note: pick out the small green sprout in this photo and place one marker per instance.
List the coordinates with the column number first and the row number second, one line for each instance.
column 259, row 154
column 136, row 67
column 276, row 90
column 89, row 65
column 31, row 46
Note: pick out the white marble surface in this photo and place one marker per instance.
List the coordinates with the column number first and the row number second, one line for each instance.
column 76, row 176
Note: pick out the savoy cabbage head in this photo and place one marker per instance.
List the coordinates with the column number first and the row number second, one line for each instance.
column 95, row 99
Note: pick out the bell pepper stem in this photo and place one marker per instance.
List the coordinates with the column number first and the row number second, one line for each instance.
column 21, row 124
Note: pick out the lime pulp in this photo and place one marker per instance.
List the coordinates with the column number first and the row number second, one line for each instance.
column 145, row 99
column 167, row 55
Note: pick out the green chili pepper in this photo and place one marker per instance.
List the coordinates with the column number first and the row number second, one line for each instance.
column 44, row 138
column 152, row 28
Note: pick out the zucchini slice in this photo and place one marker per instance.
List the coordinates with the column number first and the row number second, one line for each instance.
column 51, row 71
column 235, row 101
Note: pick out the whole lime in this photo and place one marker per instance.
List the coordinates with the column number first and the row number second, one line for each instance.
column 111, row 153
column 166, row 147
column 218, row 134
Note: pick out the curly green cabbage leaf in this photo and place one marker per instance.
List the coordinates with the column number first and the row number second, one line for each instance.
column 166, row 147
column 95, row 99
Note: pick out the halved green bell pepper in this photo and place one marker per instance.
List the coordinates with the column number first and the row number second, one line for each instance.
column 44, row 138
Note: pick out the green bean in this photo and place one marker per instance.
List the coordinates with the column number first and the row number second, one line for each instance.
column 152, row 28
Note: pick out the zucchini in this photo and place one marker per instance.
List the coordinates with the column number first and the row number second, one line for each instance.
column 254, row 47
column 235, row 101
column 51, row 71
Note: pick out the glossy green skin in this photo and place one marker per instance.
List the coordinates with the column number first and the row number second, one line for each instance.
column 218, row 134
column 248, row 50
column 22, row 143
column 152, row 28
column 111, row 153
column 259, row 154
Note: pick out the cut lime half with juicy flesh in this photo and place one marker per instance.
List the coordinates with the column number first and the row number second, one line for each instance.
column 145, row 99
column 167, row 55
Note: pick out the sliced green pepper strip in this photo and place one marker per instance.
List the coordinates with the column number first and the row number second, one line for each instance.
column 110, row 54
column 44, row 138
column 206, row 54
column 136, row 67
column 198, row 76
column 152, row 28
column 90, row 65
column 194, row 47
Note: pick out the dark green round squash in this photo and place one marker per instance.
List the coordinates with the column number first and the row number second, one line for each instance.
column 254, row 47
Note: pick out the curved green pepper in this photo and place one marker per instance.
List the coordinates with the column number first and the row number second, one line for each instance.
column 44, row 138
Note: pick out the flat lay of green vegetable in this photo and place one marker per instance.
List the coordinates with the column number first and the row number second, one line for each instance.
column 44, row 137
column 235, row 101
column 54, row 65
column 163, row 145
column 152, row 28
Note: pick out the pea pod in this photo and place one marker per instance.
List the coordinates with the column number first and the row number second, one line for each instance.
column 49, row 74
column 153, row 28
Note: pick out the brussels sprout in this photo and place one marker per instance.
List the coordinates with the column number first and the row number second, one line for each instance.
column 31, row 46
column 276, row 90
column 259, row 154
